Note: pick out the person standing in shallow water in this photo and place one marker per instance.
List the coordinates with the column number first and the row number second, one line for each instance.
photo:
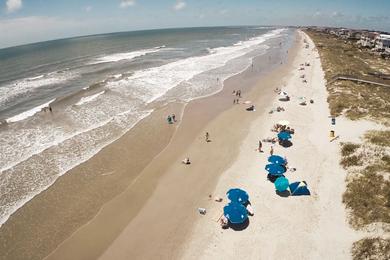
column 174, row 117
column 207, row 137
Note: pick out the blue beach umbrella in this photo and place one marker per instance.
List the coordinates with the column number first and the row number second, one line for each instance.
column 281, row 184
column 237, row 196
column 276, row 159
column 236, row 213
column 284, row 135
column 275, row 169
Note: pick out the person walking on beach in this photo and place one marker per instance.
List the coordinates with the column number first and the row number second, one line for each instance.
column 174, row 117
column 271, row 152
column 260, row 146
column 207, row 137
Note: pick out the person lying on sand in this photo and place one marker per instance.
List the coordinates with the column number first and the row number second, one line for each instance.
column 223, row 221
column 186, row 161
column 269, row 140
column 250, row 209
column 251, row 108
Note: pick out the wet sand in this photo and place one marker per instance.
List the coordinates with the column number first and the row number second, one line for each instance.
column 157, row 204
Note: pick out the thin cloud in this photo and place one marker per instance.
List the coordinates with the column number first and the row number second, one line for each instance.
column 13, row 5
column 127, row 3
column 88, row 9
column 179, row 5
column 223, row 11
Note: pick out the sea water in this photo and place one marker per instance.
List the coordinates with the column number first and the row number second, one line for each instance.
column 99, row 87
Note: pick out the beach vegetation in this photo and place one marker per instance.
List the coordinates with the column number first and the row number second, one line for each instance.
column 381, row 138
column 368, row 198
column 348, row 148
column 352, row 99
column 375, row 248
column 352, row 160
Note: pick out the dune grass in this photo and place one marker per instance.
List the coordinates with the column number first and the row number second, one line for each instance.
column 368, row 198
column 371, row 249
column 354, row 100
column 367, row 195
column 381, row 138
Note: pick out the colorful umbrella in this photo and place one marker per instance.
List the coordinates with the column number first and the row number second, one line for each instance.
column 276, row 159
column 238, row 196
column 284, row 135
column 275, row 169
column 236, row 213
column 281, row 184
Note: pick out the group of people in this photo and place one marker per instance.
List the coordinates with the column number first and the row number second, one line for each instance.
column 45, row 109
column 282, row 128
column 171, row 119
column 237, row 93
column 187, row 160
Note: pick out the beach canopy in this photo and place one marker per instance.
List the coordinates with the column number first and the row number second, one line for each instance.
column 236, row 213
column 281, row 184
column 283, row 93
column 284, row 135
column 275, row 169
column 237, row 196
column 299, row 188
column 283, row 122
column 276, row 159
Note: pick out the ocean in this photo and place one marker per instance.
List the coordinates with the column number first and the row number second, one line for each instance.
column 98, row 87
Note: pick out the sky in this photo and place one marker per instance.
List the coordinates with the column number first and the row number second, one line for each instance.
column 27, row 21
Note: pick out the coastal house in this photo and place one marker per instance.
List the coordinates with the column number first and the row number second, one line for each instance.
column 382, row 43
column 368, row 39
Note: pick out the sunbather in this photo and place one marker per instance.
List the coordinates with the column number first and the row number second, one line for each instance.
column 224, row 222
column 250, row 209
column 186, row 161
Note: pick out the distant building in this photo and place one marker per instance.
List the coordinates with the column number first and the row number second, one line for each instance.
column 368, row 39
column 383, row 42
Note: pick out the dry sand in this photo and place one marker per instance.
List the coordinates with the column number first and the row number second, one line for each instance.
column 156, row 216
column 307, row 227
column 173, row 191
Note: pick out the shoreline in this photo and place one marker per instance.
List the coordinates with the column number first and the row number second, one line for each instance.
column 47, row 205
column 305, row 227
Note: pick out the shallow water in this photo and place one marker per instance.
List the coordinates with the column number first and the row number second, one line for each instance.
column 102, row 86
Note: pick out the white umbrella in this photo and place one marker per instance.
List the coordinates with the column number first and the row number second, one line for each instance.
column 283, row 122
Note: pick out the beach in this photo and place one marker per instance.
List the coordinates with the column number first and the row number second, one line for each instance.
column 169, row 226
column 53, row 219
column 150, row 203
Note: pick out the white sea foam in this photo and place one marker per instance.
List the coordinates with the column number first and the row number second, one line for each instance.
column 125, row 55
column 88, row 99
column 146, row 85
column 150, row 84
column 35, row 78
column 27, row 85
column 28, row 113
column 89, row 146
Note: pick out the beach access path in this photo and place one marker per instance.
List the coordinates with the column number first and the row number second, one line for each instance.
column 306, row 227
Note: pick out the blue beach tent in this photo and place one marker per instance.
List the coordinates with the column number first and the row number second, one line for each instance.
column 276, row 159
column 281, row 184
column 275, row 169
column 284, row 135
column 237, row 196
column 236, row 213
column 299, row 188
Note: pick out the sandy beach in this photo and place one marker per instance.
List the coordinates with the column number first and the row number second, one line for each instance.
column 307, row 227
column 169, row 226
column 147, row 207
